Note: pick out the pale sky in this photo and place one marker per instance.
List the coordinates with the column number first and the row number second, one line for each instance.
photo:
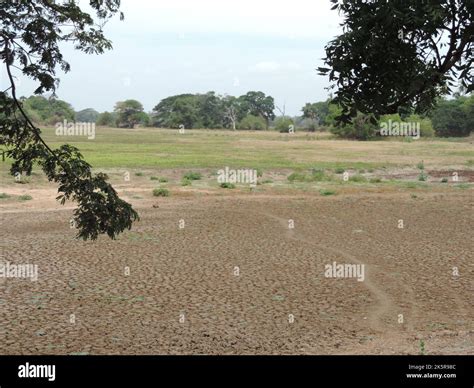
column 167, row 47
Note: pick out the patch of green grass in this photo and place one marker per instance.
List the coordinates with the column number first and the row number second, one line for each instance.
column 413, row 185
column 375, row 180
column 327, row 192
column 470, row 162
column 138, row 174
column 25, row 197
column 339, row 170
column 357, row 178
column 267, row 181
column 462, row 186
column 420, row 165
column 227, row 185
column 192, row 176
column 153, row 178
column 444, row 180
column 160, row 192
column 186, row 182
column 297, row 177
column 317, row 175
column 4, row 196
column 162, row 180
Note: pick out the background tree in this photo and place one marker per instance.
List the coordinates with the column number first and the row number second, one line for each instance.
column 316, row 112
column 258, row 104
column 47, row 111
column 88, row 115
column 232, row 111
column 174, row 111
column 129, row 113
column 31, row 33
column 396, row 55
column 106, row 119
column 211, row 111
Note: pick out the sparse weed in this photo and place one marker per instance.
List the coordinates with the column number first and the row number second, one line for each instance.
column 160, row 192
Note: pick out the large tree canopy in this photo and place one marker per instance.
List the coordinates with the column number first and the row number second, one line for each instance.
column 399, row 55
column 31, row 33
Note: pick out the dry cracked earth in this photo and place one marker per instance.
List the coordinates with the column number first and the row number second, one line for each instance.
column 236, row 279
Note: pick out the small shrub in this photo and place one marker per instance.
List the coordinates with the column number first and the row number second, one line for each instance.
column 362, row 127
column 267, row 181
column 327, row 192
column 153, row 178
column 192, row 176
column 185, row 182
column 259, row 172
column 283, row 124
column 161, row 192
column 339, row 170
column 162, row 180
column 319, row 175
column 375, row 180
column 138, row 174
column 421, row 165
column 422, row 177
column 444, row 180
column 357, row 178
column 251, row 122
column 4, row 196
column 25, row 197
column 297, row 177
column 227, row 185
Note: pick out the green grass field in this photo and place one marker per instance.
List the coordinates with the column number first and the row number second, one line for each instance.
column 305, row 162
column 158, row 148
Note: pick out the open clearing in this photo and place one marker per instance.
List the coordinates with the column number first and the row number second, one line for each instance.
column 236, row 279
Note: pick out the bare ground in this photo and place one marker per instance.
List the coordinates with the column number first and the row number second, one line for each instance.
column 237, row 280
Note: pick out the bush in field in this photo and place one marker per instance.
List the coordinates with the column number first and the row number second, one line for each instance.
column 283, row 124
column 192, row 176
column 315, row 176
column 160, row 192
column 227, row 185
column 358, row 178
column 251, row 122
column 426, row 126
column 362, row 127
column 454, row 118
column 326, row 192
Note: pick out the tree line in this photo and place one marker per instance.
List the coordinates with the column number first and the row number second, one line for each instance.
column 252, row 111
